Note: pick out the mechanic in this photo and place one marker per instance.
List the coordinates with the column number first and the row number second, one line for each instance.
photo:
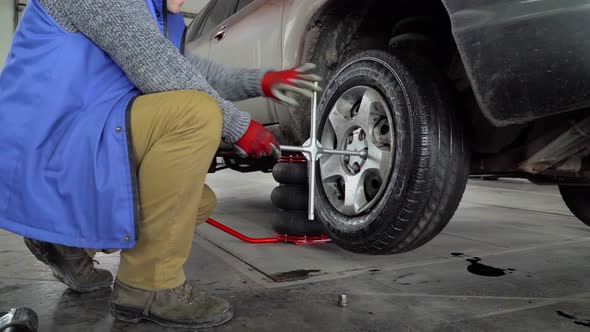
column 107, row 133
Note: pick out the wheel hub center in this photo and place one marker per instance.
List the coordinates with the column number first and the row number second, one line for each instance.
column 356, row 140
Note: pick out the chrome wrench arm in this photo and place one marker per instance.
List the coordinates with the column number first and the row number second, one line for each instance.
column 313, row 150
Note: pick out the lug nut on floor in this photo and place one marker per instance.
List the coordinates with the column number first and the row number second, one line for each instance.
column 342, row 300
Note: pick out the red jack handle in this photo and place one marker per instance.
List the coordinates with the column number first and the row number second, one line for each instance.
column 241, row 236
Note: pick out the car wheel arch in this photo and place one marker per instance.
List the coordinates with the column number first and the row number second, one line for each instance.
column 334, row 32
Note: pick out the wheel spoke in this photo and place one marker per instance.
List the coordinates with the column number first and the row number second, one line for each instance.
column 331, row 168
column 354, row 194
column 364, row 118
column 338, row 119
column 378, row 160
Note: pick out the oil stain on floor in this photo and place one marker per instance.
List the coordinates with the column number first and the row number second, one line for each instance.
column 294, row 275
column 477, row 268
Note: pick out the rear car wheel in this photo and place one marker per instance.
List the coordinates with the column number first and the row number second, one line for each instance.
column 577, row 200
column 405, row 192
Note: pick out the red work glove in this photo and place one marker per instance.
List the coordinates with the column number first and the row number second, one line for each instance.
column 257, row 141
column 300, row 80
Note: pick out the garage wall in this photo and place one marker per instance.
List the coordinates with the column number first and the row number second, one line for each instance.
column 7, row 11
column 8, row 8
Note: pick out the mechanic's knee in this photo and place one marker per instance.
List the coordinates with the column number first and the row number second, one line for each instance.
column 203, row 114
column 207, row 205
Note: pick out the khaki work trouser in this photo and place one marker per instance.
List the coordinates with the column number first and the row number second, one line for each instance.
column 175, row 136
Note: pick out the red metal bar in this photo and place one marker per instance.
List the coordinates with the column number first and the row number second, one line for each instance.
column 241, row 236
column 293, row 159
column 303, row 240
column 278, row 238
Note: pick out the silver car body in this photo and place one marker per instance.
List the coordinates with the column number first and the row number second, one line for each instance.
column 265, row 34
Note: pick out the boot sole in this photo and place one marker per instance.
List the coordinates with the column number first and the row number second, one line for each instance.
column 132, row 315
column 65, row 278
column 70, row 281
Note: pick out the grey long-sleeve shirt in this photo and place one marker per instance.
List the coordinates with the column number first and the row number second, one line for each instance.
column 125, row 30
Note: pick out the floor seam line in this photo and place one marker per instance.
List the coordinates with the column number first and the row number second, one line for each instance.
column 513, row 190
column 474, row 240
column 543, row 303
column 520, row 209
column 483, row 297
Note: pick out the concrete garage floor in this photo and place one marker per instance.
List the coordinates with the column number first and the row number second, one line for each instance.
column 522, row 232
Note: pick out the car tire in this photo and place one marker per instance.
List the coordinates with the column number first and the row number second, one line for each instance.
column 577, row 199
column 429, row 164
column 295, row 223
column 290, row 197
column 290, row 173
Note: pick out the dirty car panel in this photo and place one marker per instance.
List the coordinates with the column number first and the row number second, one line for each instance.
column 524, row 58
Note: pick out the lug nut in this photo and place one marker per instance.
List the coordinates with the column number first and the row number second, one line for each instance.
column 362, row 135
column 347, row 159
column 342, row 300
column 350, row 139
column 356, row 167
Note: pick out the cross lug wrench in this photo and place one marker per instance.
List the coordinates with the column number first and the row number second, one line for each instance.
column 312, row 149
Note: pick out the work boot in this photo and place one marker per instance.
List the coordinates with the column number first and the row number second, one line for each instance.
column 72, row 266
column 184, row 306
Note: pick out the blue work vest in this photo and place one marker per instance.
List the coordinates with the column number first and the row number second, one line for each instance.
column 66, row 169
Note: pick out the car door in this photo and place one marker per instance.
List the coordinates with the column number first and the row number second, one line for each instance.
column 251, row 38
column 199, row 33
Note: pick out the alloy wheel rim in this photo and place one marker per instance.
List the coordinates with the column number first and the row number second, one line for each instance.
column 359, row 120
